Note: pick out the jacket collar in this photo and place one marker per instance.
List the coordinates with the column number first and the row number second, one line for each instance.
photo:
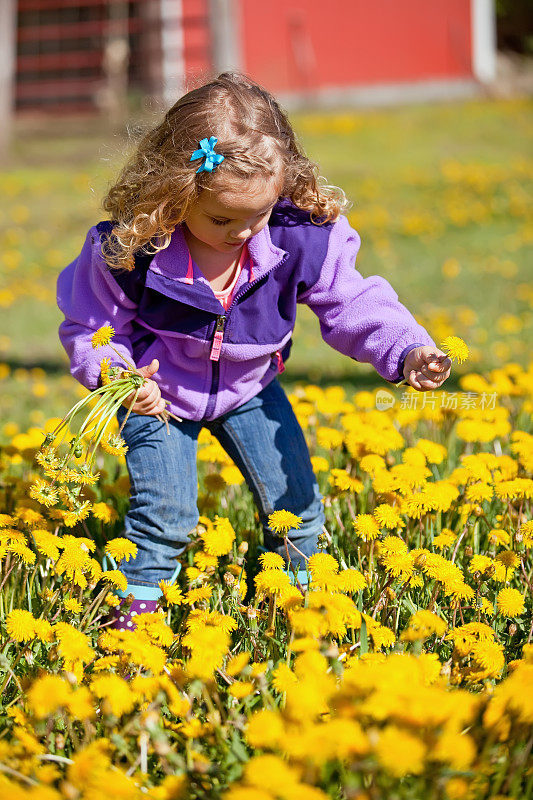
column 173, row 261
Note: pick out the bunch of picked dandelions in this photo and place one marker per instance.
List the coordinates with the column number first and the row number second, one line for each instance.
column 101, row 405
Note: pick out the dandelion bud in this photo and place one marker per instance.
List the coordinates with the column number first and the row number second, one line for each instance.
column 251, row 612
column 391, row 594
column 469, row 551
column 420, row 560
column 518, row 537
column 489, row 572
column 242, row 548
column 48, row 439
column 30, row 658
column 367, row 576
column 478, row 511
column 229, row 579
column 60, row 741
column 512, row 629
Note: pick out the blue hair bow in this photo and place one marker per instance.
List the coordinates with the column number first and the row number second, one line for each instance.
column 207, row 151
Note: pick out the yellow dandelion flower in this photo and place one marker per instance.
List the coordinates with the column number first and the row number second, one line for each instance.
column 116, row 577
column 344, row 482
column 321, row 563
column 422, row 625
column 455, row 348
column 241, row 689
column 271, row 561
column 20, row 625
column 73, row 560
column 366, row 527
column 82, row 512
column 237, row 664
column 444, row 539
column 320, row 464
column 231, row 475
column 171, row 592
column 204, row 560
column 115, row 692
column 121, row 549
column 477, row 492
column 283, row 678
column 510, row 603
column 114, row 445
column 198, row 595
column 218, row 540
column 283, row 521
column 526, row 532
column 48, row 694
column 44, row 493
column 508, row 558
column 272, row 581
column 388, row 516
column 265, row 729
column 30, row 517
column 44, row 630
column 71, row 604
column 86, row 477
column 112, row 600
column 104, row 512
column 47, row 543
column 22, row 551
column 351, row 580
column 102, row 336
column 104, row 371
column 399, row 752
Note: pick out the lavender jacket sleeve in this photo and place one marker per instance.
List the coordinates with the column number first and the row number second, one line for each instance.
column 89, row 297
column 362, row 317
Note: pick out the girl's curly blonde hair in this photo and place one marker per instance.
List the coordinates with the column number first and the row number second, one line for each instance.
column 158, row 186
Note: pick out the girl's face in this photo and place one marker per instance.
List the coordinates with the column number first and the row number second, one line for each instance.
column 223, row 219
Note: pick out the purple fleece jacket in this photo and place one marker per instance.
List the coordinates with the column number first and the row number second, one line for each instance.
column 210, row 360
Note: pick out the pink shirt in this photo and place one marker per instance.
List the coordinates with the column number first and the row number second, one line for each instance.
column 225, row 296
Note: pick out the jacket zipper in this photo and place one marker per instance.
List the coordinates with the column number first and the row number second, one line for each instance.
column 218, row 338
column 214, row 357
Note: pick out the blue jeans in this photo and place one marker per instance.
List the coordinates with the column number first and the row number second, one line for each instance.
column 264, row 439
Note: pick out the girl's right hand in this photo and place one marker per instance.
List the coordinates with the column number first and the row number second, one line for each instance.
column 149, row 400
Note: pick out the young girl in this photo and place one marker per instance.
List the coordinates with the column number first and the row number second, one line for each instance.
column 219, row 227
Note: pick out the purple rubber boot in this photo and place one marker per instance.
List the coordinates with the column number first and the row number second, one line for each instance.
column 144, row 602
column 124, row 620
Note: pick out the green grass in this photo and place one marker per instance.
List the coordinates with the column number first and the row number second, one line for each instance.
column 427, row 183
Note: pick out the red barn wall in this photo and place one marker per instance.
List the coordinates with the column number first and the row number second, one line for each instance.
column 313, row 44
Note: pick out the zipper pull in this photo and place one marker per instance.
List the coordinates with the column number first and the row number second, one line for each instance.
column 214, row 355
column 279, row 360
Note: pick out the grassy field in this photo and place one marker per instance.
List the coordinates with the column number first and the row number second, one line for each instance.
column 440, row 196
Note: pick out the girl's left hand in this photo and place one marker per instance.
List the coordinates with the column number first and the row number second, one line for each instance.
column 426, row 368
